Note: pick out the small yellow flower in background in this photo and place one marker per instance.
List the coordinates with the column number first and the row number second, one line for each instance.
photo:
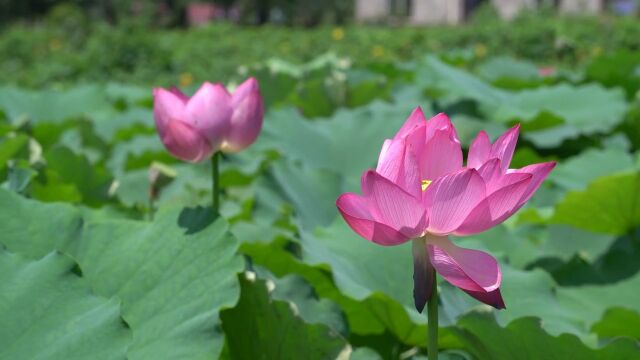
column 377, row 51
column 55, row 44
column 596, row 51
column 480, row 50
column 337, row 34
column 186, row 79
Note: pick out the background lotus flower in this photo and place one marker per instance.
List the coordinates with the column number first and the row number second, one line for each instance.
column 420, row 190
column 212, row 120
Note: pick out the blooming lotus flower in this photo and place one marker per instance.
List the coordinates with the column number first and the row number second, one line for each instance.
column 421, row 191
column 212, row 120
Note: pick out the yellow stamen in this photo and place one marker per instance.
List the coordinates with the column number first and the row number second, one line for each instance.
column 425, row 184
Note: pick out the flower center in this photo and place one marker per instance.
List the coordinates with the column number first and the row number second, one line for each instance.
column 425, row 184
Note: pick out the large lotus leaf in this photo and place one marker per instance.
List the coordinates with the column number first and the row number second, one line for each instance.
column 348, row 142
column 501, row 67
column 577, row 172
column 459, row 84
column 610, row 205
column 524, row 245
column 259, row 327
column 525, row 339
column 371, row 317
column 172, row 275
column 35, row 229
column 53, row 105
column 309, row 190
column 361, row 269
column 48, row 312
column 606, row 106
column 618, row 321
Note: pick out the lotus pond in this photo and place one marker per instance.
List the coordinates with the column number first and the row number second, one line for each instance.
column 109, row 249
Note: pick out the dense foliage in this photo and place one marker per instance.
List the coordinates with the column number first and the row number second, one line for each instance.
column 67, row 47
column 90, row 268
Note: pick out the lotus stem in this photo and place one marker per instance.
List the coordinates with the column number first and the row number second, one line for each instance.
column 432, row 322
column 215, row 179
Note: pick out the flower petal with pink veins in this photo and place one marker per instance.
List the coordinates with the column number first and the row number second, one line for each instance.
column 498, row 206
column 441, row 155
column 400, row 166
column 438, row 123
column 490, row 171
column 479, row 150
column 450, row 199
column 356, row 211
column 415, row 120
column 167, row 107
column 504, row 147
column 393, row 206
column 468, row 269
column 209, row 111
column 185, row 143
column 539, row 173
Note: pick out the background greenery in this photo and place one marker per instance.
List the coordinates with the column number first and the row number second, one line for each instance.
column 68, row 47
column 90, row 268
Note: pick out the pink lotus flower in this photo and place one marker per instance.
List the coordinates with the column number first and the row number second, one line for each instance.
column 420, row 190
column 212, row 120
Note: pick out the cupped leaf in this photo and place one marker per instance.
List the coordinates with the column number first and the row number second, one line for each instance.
column 48, row 312
column 172, row 275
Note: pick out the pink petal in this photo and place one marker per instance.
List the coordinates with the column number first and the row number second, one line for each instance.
column 438, row 123
column 415, row 120
column 383, row 151
column 246, row 121
column 356, row 212
column 490, row 171
column 185, row 143
column 498, row 206
column 468, row 269
column 492, row 298
column 398, row 164
column 441, row 155
column 479, row 150
column 166, row 108
column 451, row 198
column 539, row 173
column 209, row 111
column 175, row 91
column 504, row 147
column 393, row 206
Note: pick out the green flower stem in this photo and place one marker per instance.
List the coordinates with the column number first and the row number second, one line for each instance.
column 432, row 318
column 215, row 178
